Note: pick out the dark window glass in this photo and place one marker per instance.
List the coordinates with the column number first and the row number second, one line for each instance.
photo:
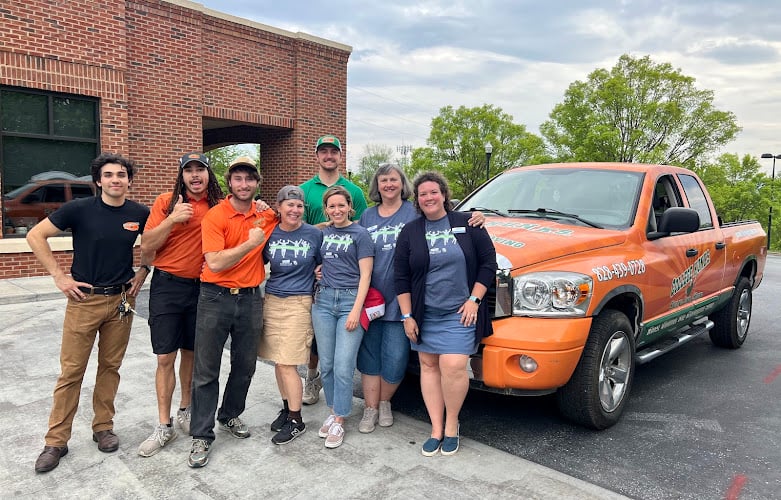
column 79, row 191
column 24, row 113
column 74, row 117
column 697, row 199
column 24, row 157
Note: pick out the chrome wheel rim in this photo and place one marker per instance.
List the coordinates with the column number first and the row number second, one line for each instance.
column 615, row 367
column 744, row 314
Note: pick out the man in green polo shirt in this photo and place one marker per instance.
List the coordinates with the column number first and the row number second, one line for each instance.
column 328, row 151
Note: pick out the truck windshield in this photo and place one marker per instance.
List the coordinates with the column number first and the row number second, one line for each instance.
column 599, row 198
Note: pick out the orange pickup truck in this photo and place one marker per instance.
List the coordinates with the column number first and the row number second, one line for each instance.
column 603, row 266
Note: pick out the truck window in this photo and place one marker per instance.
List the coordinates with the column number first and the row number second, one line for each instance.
column 665, row 196
column 697, row 199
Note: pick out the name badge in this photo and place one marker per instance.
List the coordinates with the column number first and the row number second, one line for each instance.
column 458, row 230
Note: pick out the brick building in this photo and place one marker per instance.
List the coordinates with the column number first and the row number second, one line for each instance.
column 151, row 79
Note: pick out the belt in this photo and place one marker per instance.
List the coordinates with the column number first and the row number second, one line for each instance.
column 105, row 290
column 178, row 279
column 234, row 291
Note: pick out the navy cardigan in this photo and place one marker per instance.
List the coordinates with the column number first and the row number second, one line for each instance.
column 411, row 262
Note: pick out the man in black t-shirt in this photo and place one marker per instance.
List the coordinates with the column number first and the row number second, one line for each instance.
column 101, row 289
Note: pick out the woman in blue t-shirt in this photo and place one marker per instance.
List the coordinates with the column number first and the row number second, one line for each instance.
column 348, row 254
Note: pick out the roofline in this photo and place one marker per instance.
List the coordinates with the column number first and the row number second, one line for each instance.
column 263, row 27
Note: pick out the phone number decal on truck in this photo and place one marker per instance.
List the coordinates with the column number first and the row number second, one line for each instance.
column 619, row 270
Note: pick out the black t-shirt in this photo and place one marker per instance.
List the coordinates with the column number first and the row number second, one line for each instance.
column 103, row 238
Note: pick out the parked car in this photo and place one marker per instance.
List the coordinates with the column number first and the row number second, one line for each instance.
column 25, row 206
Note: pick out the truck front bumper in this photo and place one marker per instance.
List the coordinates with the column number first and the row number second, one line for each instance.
column 555, row 346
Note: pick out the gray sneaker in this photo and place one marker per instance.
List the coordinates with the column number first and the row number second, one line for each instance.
column 368, row 421
column 183, row 419
column 162, row 435
column 199, row 453
column 236, row 427
column 386, row 415
column 312, row 390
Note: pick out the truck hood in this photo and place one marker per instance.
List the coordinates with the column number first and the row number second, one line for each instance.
column 528, row 241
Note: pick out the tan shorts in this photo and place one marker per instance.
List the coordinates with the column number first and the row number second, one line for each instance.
column 287, row 329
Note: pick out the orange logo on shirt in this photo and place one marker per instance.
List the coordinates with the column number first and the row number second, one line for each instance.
column 131, row 226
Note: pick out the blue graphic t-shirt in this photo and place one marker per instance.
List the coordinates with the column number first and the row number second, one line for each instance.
column 446, row 285
column 293, row 257
column 341, row 250
column 384, row 232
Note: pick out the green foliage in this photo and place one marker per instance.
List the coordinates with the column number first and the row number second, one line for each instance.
column 373, row 156
column 639, row 111
column 220, row 159
column 739, row 190
column 457, row 146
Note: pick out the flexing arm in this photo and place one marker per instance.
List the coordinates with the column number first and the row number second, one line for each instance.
column 229, row 257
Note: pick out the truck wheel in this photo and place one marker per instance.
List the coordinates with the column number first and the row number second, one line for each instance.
column 597, row 392
column 732, row 320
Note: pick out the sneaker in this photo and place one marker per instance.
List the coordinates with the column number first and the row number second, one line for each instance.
column 162, row 435
column 431, row 447
column 312, row 390
column 323, row 432
column 368, row 421
column 290, row 430
column 335, row 436
column 278, row 422
column 199, row 453
column 183, row 419
column 386, row 416
column 236, row 427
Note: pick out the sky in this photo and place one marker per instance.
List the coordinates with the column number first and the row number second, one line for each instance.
column 411, row 58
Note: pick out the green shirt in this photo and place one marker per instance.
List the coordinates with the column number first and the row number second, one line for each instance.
column 314, row 190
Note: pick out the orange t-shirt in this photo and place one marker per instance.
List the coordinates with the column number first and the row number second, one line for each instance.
column 223, row 227
column 181, row 253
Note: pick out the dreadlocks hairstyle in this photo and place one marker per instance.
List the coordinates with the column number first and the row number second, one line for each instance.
column 213, row 190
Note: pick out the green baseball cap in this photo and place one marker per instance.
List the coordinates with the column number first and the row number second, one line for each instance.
column 330, row 140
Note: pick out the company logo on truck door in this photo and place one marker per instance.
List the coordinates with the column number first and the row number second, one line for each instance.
column 690, row 274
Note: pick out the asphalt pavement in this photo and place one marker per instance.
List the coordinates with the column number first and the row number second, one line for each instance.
column 384, row 464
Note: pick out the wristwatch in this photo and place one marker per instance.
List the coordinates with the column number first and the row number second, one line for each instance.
column 405, row 316
column 475, row 299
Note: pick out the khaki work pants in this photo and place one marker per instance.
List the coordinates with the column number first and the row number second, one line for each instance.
column 83, row 320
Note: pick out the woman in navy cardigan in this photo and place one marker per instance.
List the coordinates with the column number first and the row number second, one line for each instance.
column 442, row 270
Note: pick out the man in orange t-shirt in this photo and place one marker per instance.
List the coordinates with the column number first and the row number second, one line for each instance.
column 230, row 303
column 173, row 237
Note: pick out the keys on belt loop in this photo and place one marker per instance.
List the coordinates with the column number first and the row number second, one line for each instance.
column 124, row 307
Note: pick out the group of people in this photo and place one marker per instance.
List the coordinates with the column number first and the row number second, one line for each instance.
column 329, row 258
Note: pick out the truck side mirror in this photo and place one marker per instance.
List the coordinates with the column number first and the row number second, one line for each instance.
column 677, row 220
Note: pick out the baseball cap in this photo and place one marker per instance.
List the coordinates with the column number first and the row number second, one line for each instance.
column 245, row 161
column 194, row 156
column 290, row 193
column 373, row 307
column 331, row 140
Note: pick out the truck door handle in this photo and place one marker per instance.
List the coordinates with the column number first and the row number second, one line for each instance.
column 720, row 245
column 691, row 252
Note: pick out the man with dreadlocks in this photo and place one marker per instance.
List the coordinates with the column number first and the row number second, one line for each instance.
column 173, row 236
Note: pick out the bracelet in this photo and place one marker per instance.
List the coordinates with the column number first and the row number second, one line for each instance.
column 405, row 316
column 475, row 299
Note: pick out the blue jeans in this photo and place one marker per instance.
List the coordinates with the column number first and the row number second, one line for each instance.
column 221, row 314
column 384, row 351
column 337, row 347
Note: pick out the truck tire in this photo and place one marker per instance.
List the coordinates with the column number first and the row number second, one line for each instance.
column 732, row 321
column 597, row 392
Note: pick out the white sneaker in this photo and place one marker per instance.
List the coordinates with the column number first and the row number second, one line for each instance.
column 323, row 432
column 162, row 435
column 312, row 390
column 335, row 436
column 368, row 421
column 183, row 419
column 386, row 416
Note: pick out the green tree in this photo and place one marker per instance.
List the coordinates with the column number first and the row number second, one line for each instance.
column 639, row 111
column 457, row 142
column 373, row 156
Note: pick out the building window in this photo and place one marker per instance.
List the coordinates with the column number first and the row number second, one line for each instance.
column 47, row 142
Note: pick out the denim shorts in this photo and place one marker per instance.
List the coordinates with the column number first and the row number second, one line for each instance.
column 384, row 351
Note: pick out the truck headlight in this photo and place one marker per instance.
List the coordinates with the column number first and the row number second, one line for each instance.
column 552, row 294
